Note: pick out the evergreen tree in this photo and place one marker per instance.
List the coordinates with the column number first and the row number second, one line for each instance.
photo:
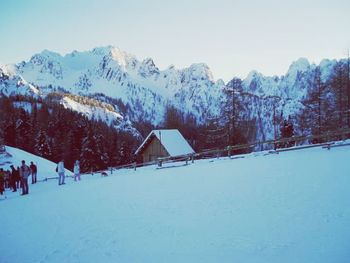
column 24, row 131
column 43, row 116
column 213, row 134
column 173, row 118
column 102, row 155
column 8, row 117
column 89, row 157
column 111, row 144
column 10, row 133
column 314, row 114
column 69, row 153
column 123, row 153
column 126, row 148
column 348, row 88
column 287, row 131
column 338, row 85
column 34, row 119
column 76, row 135
column 2, row 141
column 230, row 111
column 230, row 120
column 42, row 145
column 190, row 130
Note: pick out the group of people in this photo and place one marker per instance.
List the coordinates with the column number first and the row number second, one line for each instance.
column 18, row 177
column 61, row 174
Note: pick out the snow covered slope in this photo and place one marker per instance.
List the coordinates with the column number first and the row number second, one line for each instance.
column 95, row 109
column 14, row 156
column 291, row 207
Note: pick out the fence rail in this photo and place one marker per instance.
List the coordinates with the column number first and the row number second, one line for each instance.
column 325, row 140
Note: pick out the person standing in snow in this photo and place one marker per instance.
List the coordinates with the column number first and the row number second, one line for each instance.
column 76, row 171
column 34, row 172
column 18, row 178
column 60, row 171
column 2, row 181
column 7, row 179
column 24, row 172
column 13, row 178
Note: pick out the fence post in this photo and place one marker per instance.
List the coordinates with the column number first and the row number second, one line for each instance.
column 134, row 164
column 327, row 137
column 229, row 148
column 192, row 158
column 111, row 170
column 159, row 163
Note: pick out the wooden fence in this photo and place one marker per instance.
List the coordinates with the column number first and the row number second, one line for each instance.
column 325, row 140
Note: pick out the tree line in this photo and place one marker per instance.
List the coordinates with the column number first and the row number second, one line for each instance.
column 45, row 128
column 327, row 104
column 326, row 107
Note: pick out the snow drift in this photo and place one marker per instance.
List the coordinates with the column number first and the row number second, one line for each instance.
column 290, row 207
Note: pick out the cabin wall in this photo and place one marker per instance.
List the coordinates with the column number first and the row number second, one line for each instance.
column 153, row 151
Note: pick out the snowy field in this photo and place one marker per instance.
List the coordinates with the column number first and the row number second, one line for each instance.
column 287, row 207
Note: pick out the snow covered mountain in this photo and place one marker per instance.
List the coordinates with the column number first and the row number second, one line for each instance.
column 264, row 96
column 107, row 73
column 12, row 84
column 117, row 74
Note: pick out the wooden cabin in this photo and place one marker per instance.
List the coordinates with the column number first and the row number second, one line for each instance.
column 163, row 143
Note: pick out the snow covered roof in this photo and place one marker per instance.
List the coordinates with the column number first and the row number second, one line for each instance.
column 172, row 141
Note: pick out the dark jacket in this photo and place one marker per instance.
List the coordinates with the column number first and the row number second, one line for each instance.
column 2, row 181
column 33, row 168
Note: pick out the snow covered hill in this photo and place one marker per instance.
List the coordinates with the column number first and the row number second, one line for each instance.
column 14, row 156
column 290, row 207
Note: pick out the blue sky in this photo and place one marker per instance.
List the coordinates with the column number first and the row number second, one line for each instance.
column 232, row 37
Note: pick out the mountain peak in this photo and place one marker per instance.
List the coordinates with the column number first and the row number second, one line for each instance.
column 102, row 51
column 8, row 69
column 148, row 68
column 121, row 57
column 47, row 52
column 253, row 74
column 201, row 70
column 43, row 56
column 302, row 64
column 148, row 61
